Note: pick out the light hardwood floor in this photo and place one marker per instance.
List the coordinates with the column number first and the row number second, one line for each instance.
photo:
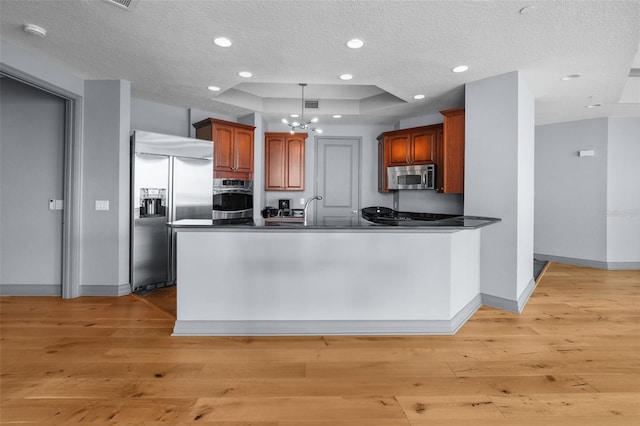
column 571, row 358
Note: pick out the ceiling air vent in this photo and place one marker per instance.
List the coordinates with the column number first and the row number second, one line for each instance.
column 311, row 104
column 124, row 4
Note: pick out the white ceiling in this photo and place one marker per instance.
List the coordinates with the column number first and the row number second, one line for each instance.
column 165, row 48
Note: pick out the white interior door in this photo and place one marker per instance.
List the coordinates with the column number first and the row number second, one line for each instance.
column 338, row 180
column 32, row 173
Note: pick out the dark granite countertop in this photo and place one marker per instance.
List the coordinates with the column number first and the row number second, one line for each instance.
column 455, row 223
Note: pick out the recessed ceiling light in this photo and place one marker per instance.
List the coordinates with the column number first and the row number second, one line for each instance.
column 571, row 77
column 418, row 97
column 222, row 41
column 355, row 43
column 245, row 74
column 593, row 106
column 35, row 30
column 460, row 68
column 337, row 116
column 214, row 88
column 346, row 77
column 294, row 115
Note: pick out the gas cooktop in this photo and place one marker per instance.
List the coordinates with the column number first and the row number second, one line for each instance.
column 387, row 216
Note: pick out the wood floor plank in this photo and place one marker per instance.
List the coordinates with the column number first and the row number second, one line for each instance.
column 564, row 405
column 571, row 358
column 298, row 409
column 537, row 421
column 449, row 407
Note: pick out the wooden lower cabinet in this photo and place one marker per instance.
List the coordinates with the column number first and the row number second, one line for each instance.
column 284, row 161
column 233, row 147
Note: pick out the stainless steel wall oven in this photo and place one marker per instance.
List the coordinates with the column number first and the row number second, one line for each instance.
column 232, row 201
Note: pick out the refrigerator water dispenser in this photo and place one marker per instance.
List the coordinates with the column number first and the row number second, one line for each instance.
column 153, row 202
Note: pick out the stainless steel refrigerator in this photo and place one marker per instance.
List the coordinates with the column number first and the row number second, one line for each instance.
column 171, row 180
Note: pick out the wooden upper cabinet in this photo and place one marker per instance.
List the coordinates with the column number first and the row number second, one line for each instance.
column 405, row 147
column 450, row 165
column 284, row 161
column 399, row 147
column 243, row 150
column 411, row 147
column 223, row 146
column 423, row 146
column 232, row 145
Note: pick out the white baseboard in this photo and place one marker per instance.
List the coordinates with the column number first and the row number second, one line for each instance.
column 326, row 327
column 515, row 306
column 588, row 263
column 31, row 290
column 105, row 290
column 56, row 290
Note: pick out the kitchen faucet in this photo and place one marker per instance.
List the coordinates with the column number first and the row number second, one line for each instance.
column 315, row 197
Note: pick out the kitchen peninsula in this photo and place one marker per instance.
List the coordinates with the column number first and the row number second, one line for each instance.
column 327, row 279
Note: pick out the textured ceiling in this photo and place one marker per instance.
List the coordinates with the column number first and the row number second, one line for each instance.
column 165, row 48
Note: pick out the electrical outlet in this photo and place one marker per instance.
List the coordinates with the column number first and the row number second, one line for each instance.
column 301, row 201
column 102, row 204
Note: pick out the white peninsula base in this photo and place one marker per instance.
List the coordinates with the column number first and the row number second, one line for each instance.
column 270, row 281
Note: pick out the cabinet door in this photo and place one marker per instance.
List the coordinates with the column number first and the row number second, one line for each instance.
column 223, row 146
column 274, row 156
column 398, row 146
column 243, row 151
column 439, row 160
column 295, row 163
column 452, row 164
column 423, row 147
column 382, row 167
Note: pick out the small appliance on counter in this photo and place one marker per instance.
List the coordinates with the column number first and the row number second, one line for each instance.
column 269, row 212
column 284, row 206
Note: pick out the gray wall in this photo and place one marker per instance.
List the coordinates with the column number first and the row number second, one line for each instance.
column 499, row 183
column 32, row 124
column 159, row 118
column 587, row 209
column 105, row 234
column 623, row 192
column 571, row 191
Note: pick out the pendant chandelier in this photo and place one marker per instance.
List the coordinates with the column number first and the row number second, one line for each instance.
column 302, row 125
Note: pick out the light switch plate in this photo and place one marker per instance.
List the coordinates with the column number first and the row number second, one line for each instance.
column 102, row 205
column 55, row 204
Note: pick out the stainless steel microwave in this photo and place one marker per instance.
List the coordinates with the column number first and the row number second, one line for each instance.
column 412, row 177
